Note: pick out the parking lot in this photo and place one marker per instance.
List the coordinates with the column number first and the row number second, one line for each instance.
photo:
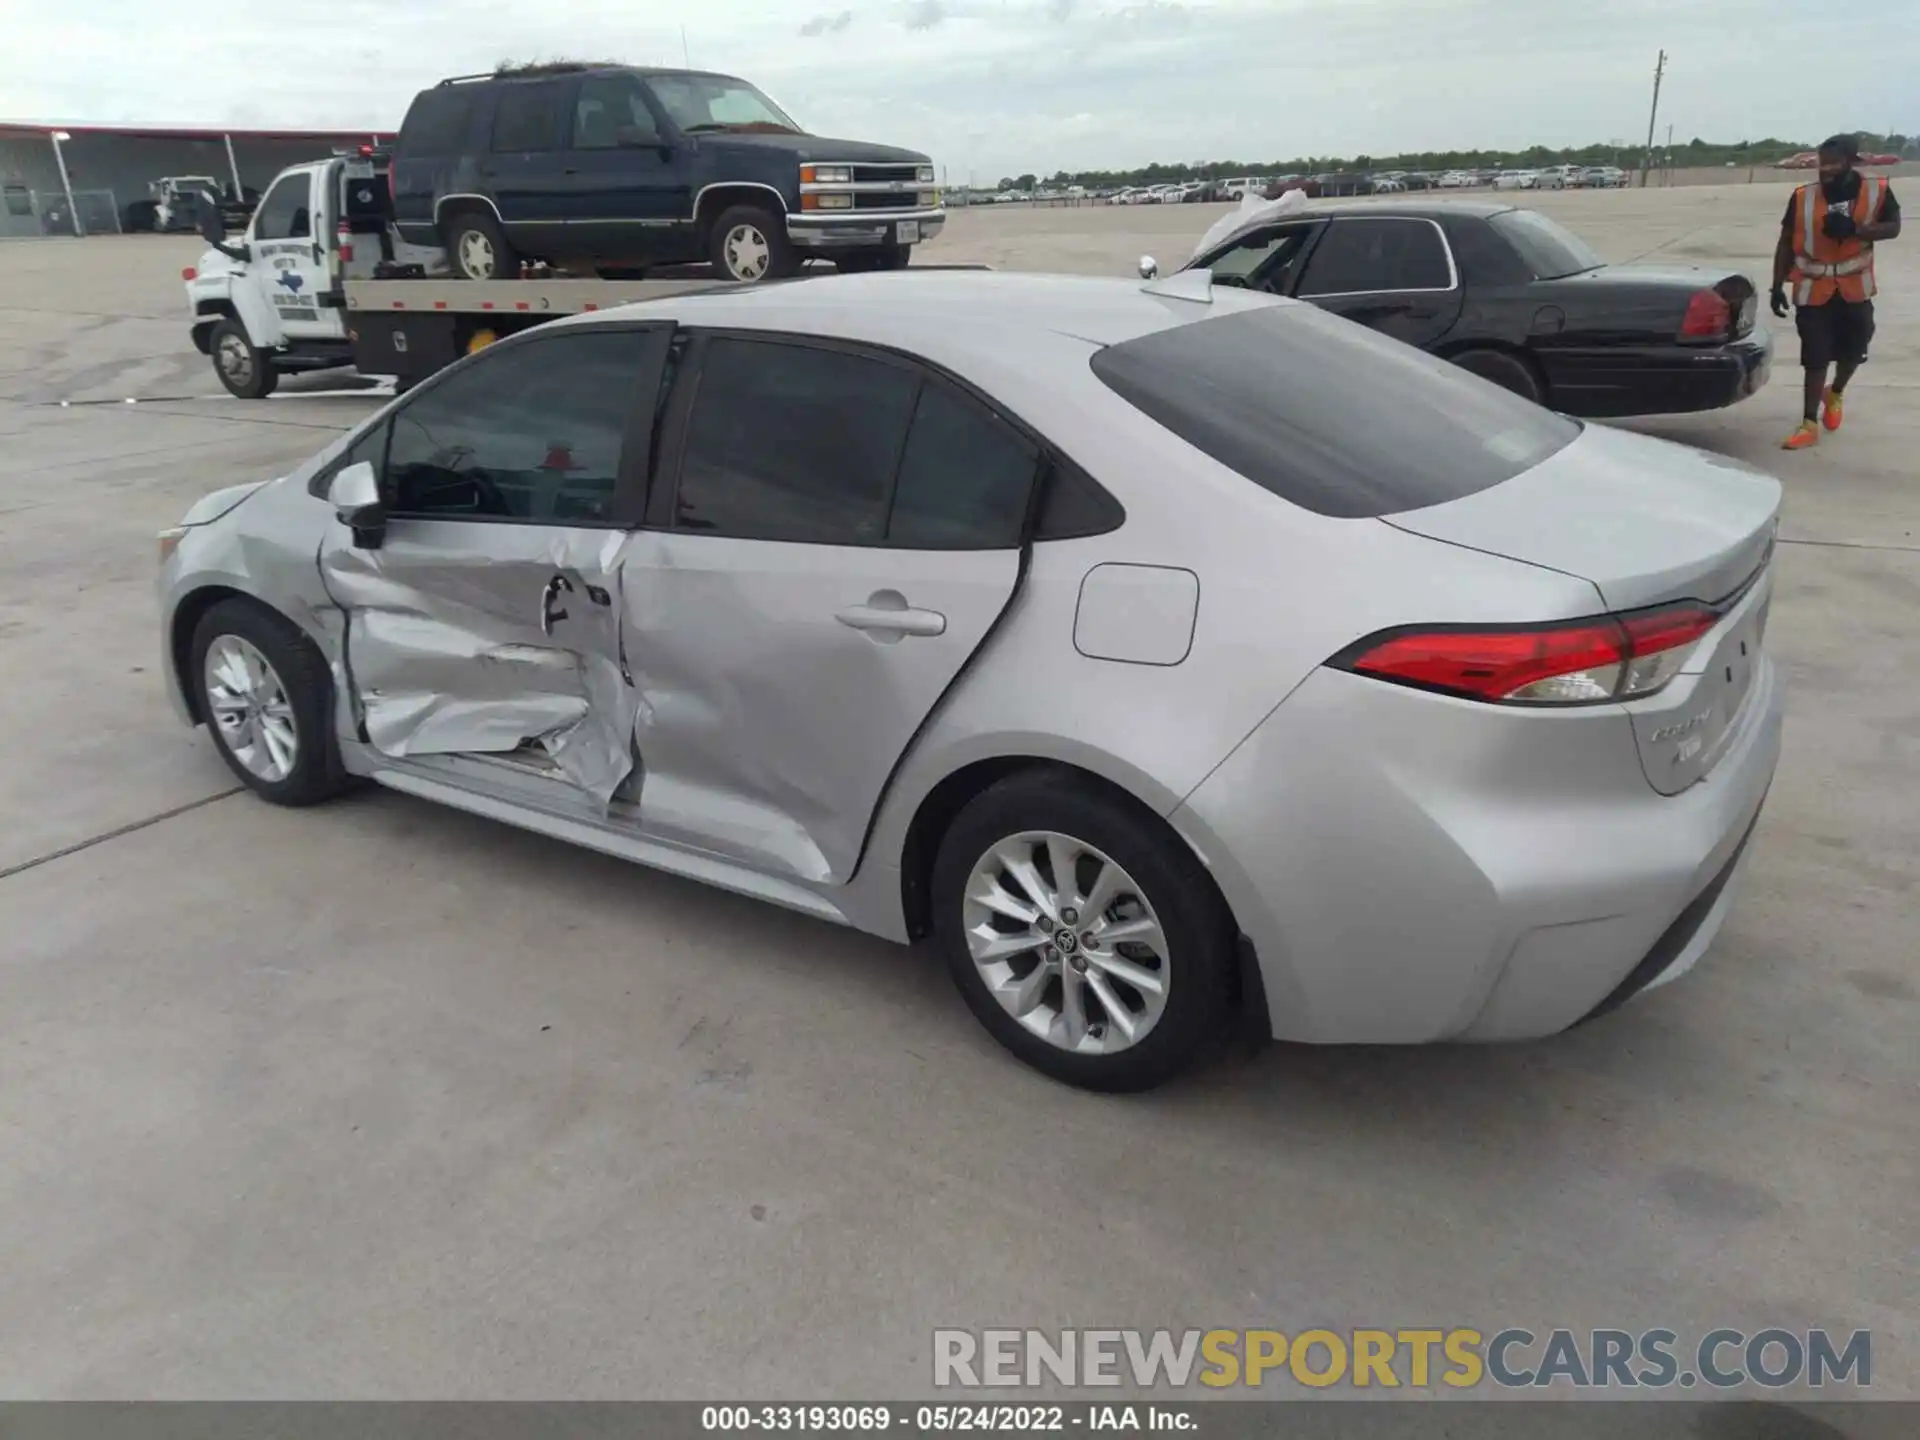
column 381, row 1100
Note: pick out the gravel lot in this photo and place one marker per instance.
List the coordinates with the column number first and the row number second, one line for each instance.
column 381, row 1100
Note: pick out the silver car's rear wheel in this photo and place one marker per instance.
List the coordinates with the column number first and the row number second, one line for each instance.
column 1083, row 932
column 248, row 704
column 1067, row 942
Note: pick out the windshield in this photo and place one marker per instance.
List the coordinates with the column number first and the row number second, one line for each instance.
column 716, row 102
column 1549, row 249
column 1330, row 415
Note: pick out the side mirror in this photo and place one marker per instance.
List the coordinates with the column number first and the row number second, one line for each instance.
column 213, row 226
column 354, row 493
column 1149, row 267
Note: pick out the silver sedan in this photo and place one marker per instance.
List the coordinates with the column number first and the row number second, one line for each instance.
column 1158, row 651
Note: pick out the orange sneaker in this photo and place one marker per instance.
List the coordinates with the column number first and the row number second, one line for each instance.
column 1830, row 409
column 1805, row 438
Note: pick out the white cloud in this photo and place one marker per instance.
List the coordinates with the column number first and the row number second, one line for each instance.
column 1001, row 86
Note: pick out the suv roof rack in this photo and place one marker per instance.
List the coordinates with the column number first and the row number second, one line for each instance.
column 464, row 79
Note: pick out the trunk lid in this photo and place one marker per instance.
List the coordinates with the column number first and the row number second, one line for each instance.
column 1646, row 522
column 1650, row 299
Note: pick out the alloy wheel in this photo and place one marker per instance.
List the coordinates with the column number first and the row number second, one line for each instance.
column 748, row 254
column 1067, row 943
column 249, row 704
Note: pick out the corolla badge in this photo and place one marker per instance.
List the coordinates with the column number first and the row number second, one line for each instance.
column 1682, row 727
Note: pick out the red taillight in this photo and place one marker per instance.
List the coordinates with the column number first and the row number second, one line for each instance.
column 343, row 242
column 1709, row 317
column 189, row 273
column 1610, row 657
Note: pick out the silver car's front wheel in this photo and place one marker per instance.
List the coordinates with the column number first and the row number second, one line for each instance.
column 1083, row 932
column 264, row 691
column 247, row 702
column 1067, row 942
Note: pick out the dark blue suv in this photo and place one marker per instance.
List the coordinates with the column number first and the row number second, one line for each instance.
column 605, row 166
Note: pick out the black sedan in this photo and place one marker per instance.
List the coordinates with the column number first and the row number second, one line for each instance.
column 1511, row 295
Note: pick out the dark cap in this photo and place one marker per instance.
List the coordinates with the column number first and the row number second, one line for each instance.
column 1847, row 147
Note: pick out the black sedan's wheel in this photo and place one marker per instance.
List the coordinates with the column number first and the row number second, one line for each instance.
column 243, row 367
column 1509, row 372
column 264, row 692
column 1082, row 933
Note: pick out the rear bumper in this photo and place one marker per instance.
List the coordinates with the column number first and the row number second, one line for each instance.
column 1409, row 868
column 1657, row 379
column 856, row 231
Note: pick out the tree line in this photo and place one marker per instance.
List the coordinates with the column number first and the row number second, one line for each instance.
column 1695, row 152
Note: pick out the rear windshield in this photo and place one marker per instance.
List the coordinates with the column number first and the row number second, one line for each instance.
column 1549, row 248
column 1328, row 414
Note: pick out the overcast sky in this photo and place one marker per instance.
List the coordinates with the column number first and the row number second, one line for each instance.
column 993, row 87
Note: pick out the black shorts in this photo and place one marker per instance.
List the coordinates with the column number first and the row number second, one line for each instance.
column 1836, row 332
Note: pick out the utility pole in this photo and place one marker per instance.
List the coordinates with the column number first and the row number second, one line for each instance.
column 1646, row 160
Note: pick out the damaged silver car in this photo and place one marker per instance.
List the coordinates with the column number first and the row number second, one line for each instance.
column 1160, row 651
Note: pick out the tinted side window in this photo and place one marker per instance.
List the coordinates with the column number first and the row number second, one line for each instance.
column 1483, row 257
column 437, row 123
column 610, row 112
column 1075, row 505
column 527, row 432
column 370, row 447
column 1330, row 415
column 1263, row 260
column 527, row 117
column 789, row 442
column 1382, row 254
column 964, row 479
column 283, row 214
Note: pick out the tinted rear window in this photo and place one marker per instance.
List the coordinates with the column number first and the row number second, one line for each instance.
column 1549, row 249
column 1329, row 415
column 437, row 123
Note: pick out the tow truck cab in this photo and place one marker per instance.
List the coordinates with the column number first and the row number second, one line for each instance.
column 273, row 300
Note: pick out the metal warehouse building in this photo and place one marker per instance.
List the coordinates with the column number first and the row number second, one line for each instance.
column 108, row 169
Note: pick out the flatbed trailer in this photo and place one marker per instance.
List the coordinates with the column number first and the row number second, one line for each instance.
column 410, row 328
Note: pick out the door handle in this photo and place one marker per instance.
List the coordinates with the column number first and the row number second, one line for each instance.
column 551, row 592
column 890, row 621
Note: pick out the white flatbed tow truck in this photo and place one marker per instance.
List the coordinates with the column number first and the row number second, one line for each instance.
column 320, row 279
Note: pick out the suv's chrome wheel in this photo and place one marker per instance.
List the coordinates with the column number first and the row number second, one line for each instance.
column 476, row 255
column 1067, row 942
column 748, row 254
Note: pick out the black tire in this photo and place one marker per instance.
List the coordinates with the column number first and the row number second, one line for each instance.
column 243, row 367
column 782, row 260
column 317, row 772
column 477, row 248
column 1199, row 931
column 1509, row 372
column 142, row 217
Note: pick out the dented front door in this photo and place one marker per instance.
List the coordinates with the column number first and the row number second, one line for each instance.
column 470, row 639
column 486, row 621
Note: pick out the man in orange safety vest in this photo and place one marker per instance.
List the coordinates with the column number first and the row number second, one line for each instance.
column 1826, row 253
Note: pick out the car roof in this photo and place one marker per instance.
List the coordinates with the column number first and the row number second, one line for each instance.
column 1424, row 209
column 891, row 307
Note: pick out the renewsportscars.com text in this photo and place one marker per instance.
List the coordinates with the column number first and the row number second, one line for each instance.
column 1416, row 1359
